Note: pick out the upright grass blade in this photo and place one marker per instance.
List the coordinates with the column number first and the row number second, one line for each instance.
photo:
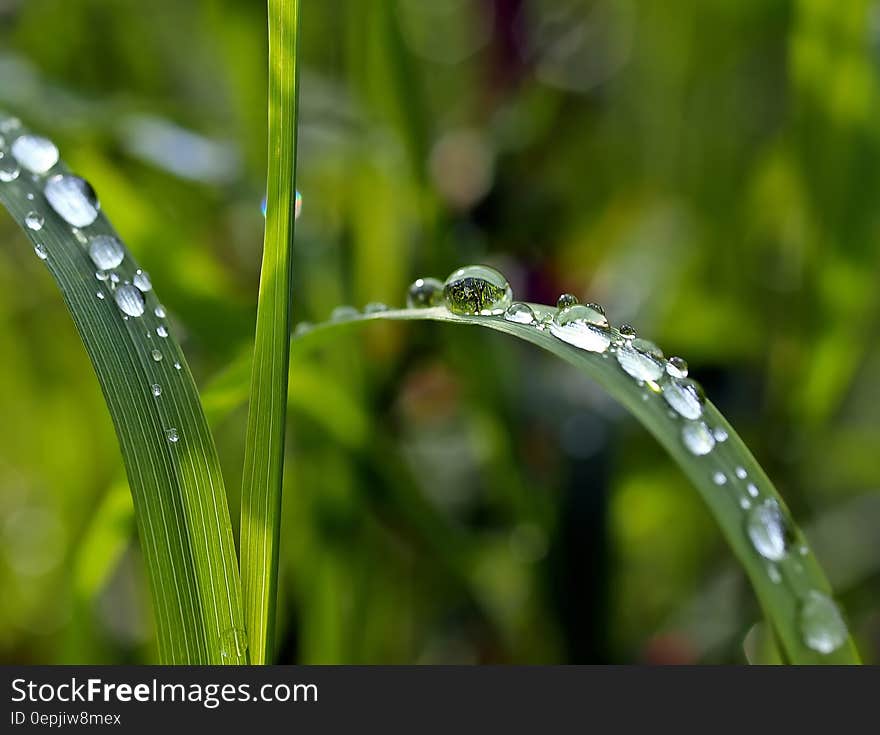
column 169, row 455
column 264, row 448
column 788, row 587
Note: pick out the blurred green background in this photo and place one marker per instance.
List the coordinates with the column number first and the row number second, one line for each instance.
column 709, row 171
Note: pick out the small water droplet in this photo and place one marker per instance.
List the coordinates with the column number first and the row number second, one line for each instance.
column 821, row 623
column 520, row 313
column 477, row 290
column 566, row 300
column 685, row 396
column 697, row 438
column 106, row 252
column 29, row 196
column 142, row 280
column 741, row 473
column 79, row 235
column 753, row 490
column 162, row 331
column 34, row 221
column 424, row 293
column 677, row 367
column 156, row 390
column 157, row 356
column 10, row 124
column 745, row 503
column 343, row 313
column 303, row 328
column 375, row 307
column 720, row 434
column 9, row 169
column 719, row 478
column 102, row 275
column 73, row 198
column 640, row 364
column 159, row 311
column 172, row 435
column 114, row 277
column 233, row 643
column 36, row 154
column 100, row 295
column 768, row 530
column 130, row 300
column 177, row 366
column 773, row 573
column 41, row 251
column 581, row 326
column 627, row 331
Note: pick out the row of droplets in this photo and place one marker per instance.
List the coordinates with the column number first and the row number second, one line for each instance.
column 77, row 204
column 482, row 291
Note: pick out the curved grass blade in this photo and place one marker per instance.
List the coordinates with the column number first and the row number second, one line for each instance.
column 785, row 587
column 168, row 451
column 264, row 443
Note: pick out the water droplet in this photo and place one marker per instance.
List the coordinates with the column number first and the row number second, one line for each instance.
column 9, row 169
column 159, row 311
column 162, row 331
column 821, row 623
column 597, row 307
column 41, row 251
column 637, row 363
column 520, row 313
column 233, row 642
column 697, row 438
column 142, row 280
column 685, row 396
column 343, row 313
column 425, row 293
column 106, row 252
column 29, row 196
column 80, row 237
column 10, row 124
column 156, row 355
column 677, row 367
column 100, row 295
column 753, row 490
column 720, row 434
column 582, row 327
column 172, row 435
column 302, row 328
column 768, row 530
column 477, row 289
column 546, row 321
column 773, row 573
column 36, row 154
column 34, row 221
column 375, row 307
column 719, row 478
column 156, row 390
column 73, row 198
column 114, row 277
column 177, row 366
column 566, row 300
column 741, row 473
column 648, row 347
column 745, row 503
column 102, row 275
column 130, row 300
column 627, row 331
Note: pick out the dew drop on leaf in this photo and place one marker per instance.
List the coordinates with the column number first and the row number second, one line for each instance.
column 159, row 311
column 156, row 390
column 130, row 300
column 34, row 221
column 142, row 280
column 638, row 364
column 343, row 313
column 41, row 251
column 375, row 307
column 162, row 331
column 685, row 397
column 106, row 252
column 768, row 530
column 172, row 435
column 477, row 290
column 34, row 153
column 73, row 199
column 821, row 623
column 677, row 367
column 520, row 313
column 424, row 293
column 719, row 478
column 156, row 355
column 697, row 438
column 565, row 300
column 9, row 169
column 583, row 327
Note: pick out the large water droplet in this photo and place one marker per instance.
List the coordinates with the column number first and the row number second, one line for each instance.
column 73, row 198
column 142, row 280
column 822, row 625
column 768, row 530
column 106, row 252
column 685, row 397
column 34, row 221
column 520, row 313
column 582, row 327
column 697, row 438
column 130, row 300
column 425, row 293
column 9, row 169
column 172, row 435
column 36, row 154
column 677, row 367
column 477, row 289
column 566, row 300
column 639, row 364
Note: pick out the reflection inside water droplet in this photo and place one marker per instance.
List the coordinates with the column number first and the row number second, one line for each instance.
column 106, row 252
column 477, row 290
column 142, row 280
column 34, row 221
column 130, row 300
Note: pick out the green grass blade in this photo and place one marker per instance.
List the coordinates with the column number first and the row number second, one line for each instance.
column 783, row 586
column 177, row 487
column 264, row 448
